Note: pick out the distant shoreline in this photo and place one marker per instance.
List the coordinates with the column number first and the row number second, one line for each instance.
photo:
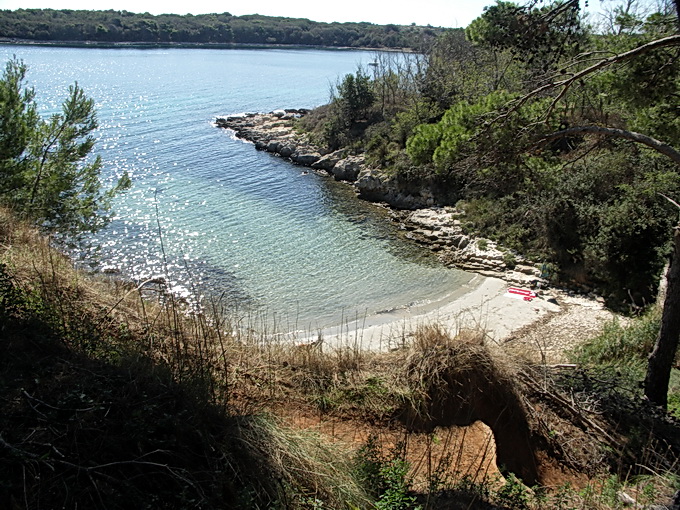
column 189, row 45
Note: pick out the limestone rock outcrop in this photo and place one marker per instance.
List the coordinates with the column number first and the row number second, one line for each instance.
column 348, row 169
column 442, row 230
column 374, row 185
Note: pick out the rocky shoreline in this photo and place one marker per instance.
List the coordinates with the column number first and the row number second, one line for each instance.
column 439, row 228
column 275, row 132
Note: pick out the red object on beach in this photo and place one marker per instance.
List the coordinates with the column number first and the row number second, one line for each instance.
column 526, row 293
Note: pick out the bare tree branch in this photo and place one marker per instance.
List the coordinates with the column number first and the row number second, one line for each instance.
column 564, row 85
column 672, row 40
column 653, row 143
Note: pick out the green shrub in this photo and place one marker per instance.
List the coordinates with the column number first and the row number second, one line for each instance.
column 386, row 476
column 513, row 494
column 509, row 260
column 395, row 495
column 619, row 344
column 354, row 96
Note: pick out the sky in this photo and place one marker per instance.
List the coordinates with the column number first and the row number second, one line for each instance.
column 438, row 13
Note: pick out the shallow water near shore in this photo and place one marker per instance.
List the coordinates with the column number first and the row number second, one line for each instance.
column 213, row 216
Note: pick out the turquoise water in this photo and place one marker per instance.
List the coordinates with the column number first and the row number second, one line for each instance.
column 212, row 215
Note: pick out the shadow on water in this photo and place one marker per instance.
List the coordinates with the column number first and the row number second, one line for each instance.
column 373, row 221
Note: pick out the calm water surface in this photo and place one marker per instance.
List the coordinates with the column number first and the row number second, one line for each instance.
column 213, row 215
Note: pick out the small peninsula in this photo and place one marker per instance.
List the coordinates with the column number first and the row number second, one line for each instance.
column 438, row 228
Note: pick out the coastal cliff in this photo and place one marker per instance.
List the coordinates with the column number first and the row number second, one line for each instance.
column 438, row 228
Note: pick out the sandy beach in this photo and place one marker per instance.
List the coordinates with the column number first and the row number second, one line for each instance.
column 540, row 328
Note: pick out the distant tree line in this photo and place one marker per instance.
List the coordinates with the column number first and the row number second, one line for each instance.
column 122, row 26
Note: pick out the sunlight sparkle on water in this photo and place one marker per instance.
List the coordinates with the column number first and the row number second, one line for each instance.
column 232, row 220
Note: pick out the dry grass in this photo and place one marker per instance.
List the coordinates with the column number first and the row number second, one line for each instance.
column 456, row 381
column 437, row 387
column 316, row 469
column 440, row 364
column 130, row 342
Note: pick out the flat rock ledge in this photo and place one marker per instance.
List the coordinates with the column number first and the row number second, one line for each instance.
column 274, row 132
column 438, row 228
column 441, row 229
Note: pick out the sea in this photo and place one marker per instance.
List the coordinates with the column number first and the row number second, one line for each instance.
column 217, row 220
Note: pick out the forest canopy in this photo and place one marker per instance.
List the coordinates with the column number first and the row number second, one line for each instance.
column 111, row 26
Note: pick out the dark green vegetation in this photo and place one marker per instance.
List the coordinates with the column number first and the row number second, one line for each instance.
column 122, row 26
column 616, row 360
column 555, row 138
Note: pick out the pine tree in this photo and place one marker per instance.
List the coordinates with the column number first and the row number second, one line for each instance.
column 47, row 171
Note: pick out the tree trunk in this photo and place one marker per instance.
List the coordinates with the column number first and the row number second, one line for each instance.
column 663, row 355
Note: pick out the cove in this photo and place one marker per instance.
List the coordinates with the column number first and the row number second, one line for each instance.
column 215, row 217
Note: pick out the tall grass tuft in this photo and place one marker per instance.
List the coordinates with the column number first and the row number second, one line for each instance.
column 308, row 468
